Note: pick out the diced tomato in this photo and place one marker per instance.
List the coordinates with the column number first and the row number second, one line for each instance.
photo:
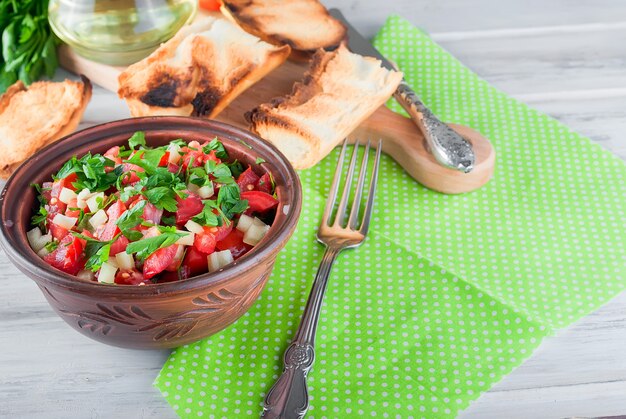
column 259, row 201
column 264, row 184
column 211, row 5
column 195, row 263
column 110, row 228
column 195, row 157
column 178, row 258
column 164, row 160
column 212, row 156
column 221, row 231
column 88, row 234
column 247, row 180
column 72, row 209
column 55, row 206
column 234, row 243
column 132, row 201
column 46, row 191
column 129, row 277
column 132, row 176
column 159, row 260
column 150, row 212
column 119, row 245
column 67, row 257
column 167, row 276
column 188, row 207
column 67, row 181
column 56, row 230
column 113, row 154
column 172, row 168
column 205, row 242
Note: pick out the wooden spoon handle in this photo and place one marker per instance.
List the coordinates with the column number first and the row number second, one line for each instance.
column 403, row 141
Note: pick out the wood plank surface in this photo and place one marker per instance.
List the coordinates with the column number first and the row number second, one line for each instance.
column 564, row 57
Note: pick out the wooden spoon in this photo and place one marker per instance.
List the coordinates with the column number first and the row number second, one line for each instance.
column 403, row 141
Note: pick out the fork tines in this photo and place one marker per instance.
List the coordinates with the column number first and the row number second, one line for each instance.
column 353, row 223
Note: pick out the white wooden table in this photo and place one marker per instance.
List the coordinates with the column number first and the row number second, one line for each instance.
column 564, row 57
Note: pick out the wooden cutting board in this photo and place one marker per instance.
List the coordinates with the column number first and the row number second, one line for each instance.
column 401, row 138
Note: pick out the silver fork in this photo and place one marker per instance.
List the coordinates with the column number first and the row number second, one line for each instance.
column 289, row 398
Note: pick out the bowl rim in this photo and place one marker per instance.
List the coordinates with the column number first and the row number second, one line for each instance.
column 257, row 255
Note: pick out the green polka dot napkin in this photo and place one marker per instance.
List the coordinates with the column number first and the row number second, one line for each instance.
column 449, row 293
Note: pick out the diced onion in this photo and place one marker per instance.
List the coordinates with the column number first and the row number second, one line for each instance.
column 187, row 239
column 194, row 227
column 175, row 156
column 193, row 188
column 37, row 240
column 66, row 195
column 98, row 218
column 255, row 233
column 225, row 257
column 217, row 260
column 107, row 273
column 206, row 191
column 124, row 260
column 93, row 203
column 43, row 252
column 87, row 275
column 64, row 221
column 82, row 197
column 244, row 223
column 84, row 194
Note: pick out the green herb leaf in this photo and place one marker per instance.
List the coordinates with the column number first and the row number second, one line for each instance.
column 145, row 247
column 236, row 168
column 216, row 146
column 168, row 220
column 148, row 159
column 207, row 217
column 162, row 197
column 131, row 218
column 97, row 251
column 228, row 198
column 137, row 139
column 28, row 45
column 259, row 160
column 40, row 217
column 51, row 246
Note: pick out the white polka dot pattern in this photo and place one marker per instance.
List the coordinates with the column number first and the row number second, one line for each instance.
column 449, row 293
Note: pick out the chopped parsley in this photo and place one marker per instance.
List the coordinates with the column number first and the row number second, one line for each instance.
column 229, row 200
column 137, row 139
column 145, row 247
column 96, row 251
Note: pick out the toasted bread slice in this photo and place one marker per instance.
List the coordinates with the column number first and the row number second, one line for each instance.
column 340, row 90
column 199, row 71
column 33, row 117
column 304, row 25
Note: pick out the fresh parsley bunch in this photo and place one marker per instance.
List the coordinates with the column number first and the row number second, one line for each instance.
column 28, row 44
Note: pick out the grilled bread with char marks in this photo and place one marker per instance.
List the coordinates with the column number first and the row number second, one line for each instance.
column 199, row 71
column 304, row 25
column 340, row 90
column 33, row 117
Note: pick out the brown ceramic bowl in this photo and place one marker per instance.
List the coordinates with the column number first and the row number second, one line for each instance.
column 161, row 315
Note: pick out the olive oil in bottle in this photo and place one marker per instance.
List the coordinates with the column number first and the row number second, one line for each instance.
column 118, row 32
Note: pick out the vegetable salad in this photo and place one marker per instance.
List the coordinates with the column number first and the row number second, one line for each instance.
column 138, row 215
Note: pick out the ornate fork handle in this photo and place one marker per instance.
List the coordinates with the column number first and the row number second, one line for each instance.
column 289, row 397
